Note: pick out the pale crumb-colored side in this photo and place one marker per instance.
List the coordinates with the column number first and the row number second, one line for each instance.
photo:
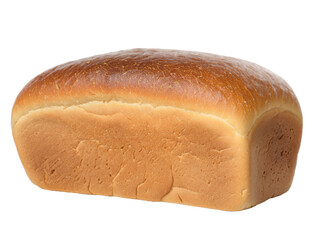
column 274, row 143
column 136, row 151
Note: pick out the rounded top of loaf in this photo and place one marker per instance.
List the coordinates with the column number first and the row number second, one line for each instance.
column 234, row 90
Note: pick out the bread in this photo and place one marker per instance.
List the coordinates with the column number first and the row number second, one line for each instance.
column 160, row 125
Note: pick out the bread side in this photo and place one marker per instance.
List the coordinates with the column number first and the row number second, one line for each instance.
column 135, row 151
column 274, row 143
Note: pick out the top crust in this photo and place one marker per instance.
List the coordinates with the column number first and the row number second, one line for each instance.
column 234, row 90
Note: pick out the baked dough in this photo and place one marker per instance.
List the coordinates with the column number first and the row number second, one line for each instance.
column 160, row 125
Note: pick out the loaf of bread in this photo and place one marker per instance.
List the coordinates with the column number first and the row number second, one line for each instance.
column 160, row 125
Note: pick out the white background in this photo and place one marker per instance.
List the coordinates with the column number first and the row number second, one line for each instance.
column 282, row 36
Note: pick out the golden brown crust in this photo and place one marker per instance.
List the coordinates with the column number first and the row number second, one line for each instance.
column 236, row 90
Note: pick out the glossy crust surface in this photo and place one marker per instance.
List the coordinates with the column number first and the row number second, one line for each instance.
column 235, row 90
